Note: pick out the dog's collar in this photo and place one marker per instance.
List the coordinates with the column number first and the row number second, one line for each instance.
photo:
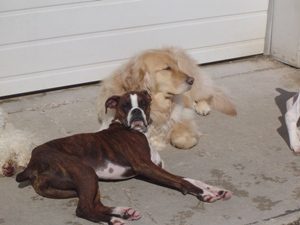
column 116, row 121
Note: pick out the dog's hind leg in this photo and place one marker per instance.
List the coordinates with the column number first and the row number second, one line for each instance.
column 291, row 118
column 53, row 187
column 76, row 180
column 90, row 206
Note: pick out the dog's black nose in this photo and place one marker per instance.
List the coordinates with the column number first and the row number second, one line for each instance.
column 190, row 80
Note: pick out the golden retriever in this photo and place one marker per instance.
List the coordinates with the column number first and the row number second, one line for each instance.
column 177, row 87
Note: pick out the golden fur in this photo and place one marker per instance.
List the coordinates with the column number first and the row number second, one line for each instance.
column 164, row 73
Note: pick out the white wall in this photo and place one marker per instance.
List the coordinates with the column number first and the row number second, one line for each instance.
column 52, row 43
column 284, row 41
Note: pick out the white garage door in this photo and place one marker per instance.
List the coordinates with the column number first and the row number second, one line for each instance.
column 54, row 43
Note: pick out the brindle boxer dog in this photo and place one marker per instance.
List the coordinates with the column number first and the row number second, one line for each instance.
column 71, row 166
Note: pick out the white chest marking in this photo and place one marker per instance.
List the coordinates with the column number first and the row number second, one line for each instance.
column 111, row 172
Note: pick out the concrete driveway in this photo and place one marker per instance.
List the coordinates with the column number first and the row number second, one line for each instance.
column 248, row 155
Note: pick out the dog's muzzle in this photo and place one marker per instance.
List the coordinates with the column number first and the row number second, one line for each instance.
column 137, row 120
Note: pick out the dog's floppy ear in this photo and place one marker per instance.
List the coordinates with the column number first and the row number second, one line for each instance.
column 112, row 102
column 137, row 77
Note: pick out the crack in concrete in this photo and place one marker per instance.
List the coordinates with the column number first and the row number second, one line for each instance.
column 127, row 193
column 286, row 213
column 73, row 223
column 252, row 223
column 151, row 217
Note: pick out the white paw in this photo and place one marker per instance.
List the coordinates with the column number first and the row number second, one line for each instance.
column 202, row 108
column 116, row 221
column 131, row 214
column 212, row 197
column 127, row 213
column 209, row 193
column 295, row 147
column 294, row 140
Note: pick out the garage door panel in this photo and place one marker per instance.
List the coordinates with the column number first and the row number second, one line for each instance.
column 101, row 16
column 13, row 5
column 50, row 43
column 115, row 45
column 99, row 71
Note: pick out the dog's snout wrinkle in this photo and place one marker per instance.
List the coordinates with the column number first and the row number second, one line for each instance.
column 136, row 112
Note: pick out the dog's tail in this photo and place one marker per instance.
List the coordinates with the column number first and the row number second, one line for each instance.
column 221, row 102
column 23, row 176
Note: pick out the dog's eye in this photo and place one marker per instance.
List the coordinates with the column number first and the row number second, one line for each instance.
column 142, row 104
column 167, row 68
column 126, row 106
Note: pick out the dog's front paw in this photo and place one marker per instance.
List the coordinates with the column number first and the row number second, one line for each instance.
column 202, row 108
column 208, row 193
column 212, row 197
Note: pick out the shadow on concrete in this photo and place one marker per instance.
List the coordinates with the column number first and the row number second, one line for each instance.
column 280, row 101
column 24, row 184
